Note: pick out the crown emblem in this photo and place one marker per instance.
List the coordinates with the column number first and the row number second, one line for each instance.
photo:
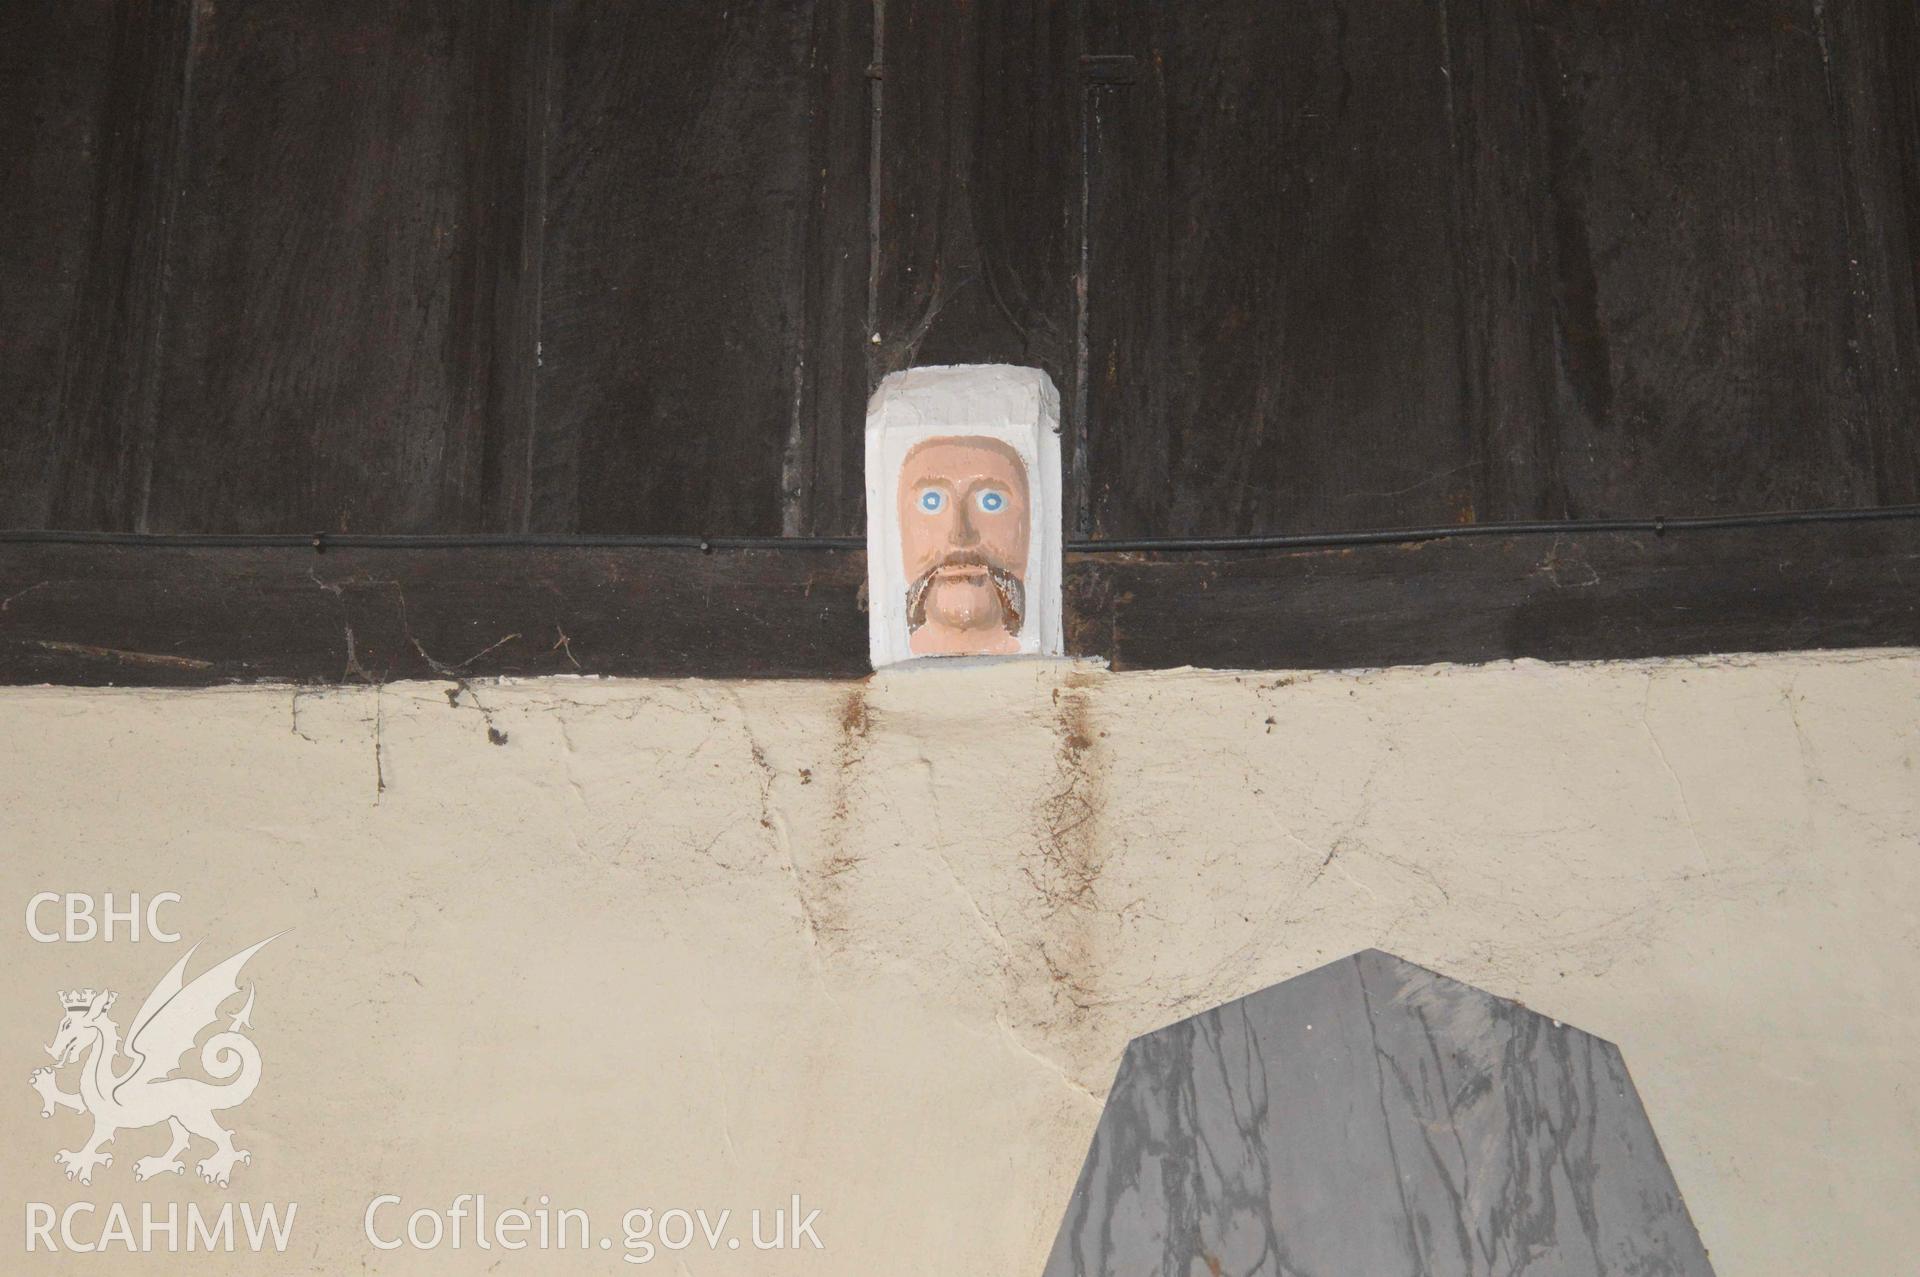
column 81, row 999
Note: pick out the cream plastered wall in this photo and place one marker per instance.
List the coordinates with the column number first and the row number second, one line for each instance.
column 879, row 944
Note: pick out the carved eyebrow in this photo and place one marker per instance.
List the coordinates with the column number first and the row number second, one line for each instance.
column 973, row 480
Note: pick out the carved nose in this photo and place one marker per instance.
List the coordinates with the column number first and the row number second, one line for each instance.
column 963, row 533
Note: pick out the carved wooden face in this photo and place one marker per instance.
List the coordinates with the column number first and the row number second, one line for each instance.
column 963, row 544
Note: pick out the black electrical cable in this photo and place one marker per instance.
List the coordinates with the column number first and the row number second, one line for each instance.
column 323, row 541
column 1659, row 526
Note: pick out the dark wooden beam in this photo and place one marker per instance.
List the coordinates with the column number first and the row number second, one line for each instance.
column 182, row 616
column 1593, row 596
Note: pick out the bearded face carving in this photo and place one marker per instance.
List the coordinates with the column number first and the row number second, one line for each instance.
column 963, row 533
column 963, row 542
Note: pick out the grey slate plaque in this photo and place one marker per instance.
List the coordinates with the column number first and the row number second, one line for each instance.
column 1374, row 1119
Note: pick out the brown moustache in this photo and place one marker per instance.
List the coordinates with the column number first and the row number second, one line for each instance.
column 1013, row 595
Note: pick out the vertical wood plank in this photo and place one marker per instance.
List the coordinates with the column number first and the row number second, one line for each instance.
column 515, row 111
column 823, row 463
column 682, row 205
column 979, row 186
column 329, row 339
column 1304, row 339
column 56, row 59
column 119, row 103
column 1662, row 245
column 1126, row 274
column 1870, row 52
column 1503, row 261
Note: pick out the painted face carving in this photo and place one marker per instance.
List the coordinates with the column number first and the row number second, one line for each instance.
column 963, row 543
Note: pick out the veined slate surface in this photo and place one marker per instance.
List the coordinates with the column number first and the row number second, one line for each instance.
column 1374, row 1119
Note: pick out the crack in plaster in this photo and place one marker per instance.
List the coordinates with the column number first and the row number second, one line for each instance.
column 1686, row 806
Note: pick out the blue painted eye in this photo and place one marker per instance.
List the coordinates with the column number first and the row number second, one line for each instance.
column 993, row 501
column 932, row 500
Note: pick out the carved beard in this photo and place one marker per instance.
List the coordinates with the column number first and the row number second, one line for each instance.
column 1013, row 595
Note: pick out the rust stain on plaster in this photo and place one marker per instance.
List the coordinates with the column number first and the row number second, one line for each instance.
column 856, row 720
column 1069, row 810
column 1065, row 869
column 821, row 882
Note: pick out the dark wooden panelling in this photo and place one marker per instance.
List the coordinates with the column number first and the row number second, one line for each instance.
column 92, row 98
column 54, row 59
column 1358, row 266
column 328, row 338
column 286, row 265
column 1274, row 335
column 1871, row 52
column 598, row 266
column 1509, row 364
column 976, row 252
column 691, row 203
column 513, row 114
column 1899, row 93
column 1667, row 261
column 1125, row 232
column 824, row 461
column 96, row 614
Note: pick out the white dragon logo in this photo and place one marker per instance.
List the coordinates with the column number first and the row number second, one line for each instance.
column 145, row 1092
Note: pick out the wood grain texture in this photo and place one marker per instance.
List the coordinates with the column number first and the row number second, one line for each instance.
column 513, row 110
column 685, row 219
column 327, row 344
column 1596, row 596
column 1126, row 279
column 192, row 617
column 54, row 88
column 587, row 266
column 975, row 254
column 1275, row 341
column 88, row 208
column 1694, row 303
column 1871, row 54
column 1354, row 267
column 823, row 463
